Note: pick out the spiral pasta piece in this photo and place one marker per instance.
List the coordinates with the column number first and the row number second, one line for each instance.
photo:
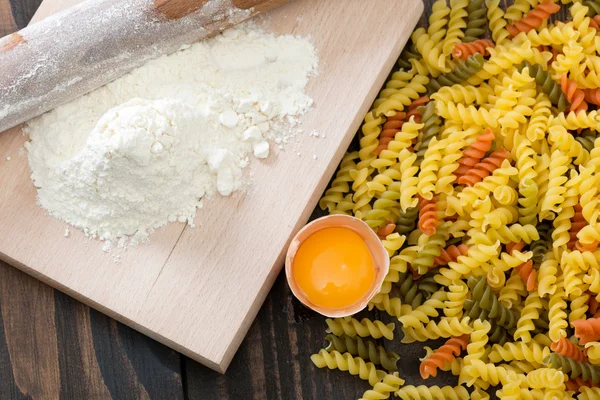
column 382, row 390
column 446, row 328
column 430, row 129
column 581, row 261
column 534, row 18
column 546, row 378
column 497, row 334
column 540, row 116
column 428, row 221
column 509, row 234
column 532, row 352
column 477, row 255
column 364, row 349
column 561, row 140
column 402, row 98
column 555, row 196
column 406, row 220
column 512, row 293
column 593, row 7
column 496, row 279
column 528, row 274
column 519, row 8
column 397, row 81
column 444, row 354
column 459, row 74
column 476, row 21
column 574, row 95
column 456, row 297
column 574, row 368
column 413, row 109
column 410, row 51
column 429, row 251
column 572, row 55
column 345, row 362
column 547, row 275
column 430, row 166
column 579, row 306
column 486, row 372
column 386, row 229
column 502, row 59
column 573, row 279
column 450, row 254
column 392, row 305
column 592, row 350
column 592, row 96
column 438, row 19
column 574, row 121
column 487, row 300
column 497, row 23
column 464, row 50
column 364, row 328
column 588, row 393
column 558, row 316
column 587, row 330
column 340, row 185
column 553, row 35
column 565, row 347
column 466, row 94
column 577, row 223
column 467, row 114
column 531, row 312
column 456, row 25
column 392, row 126
column 484, row 168
column 423, row 313
column 409, row 290
column 550, row 87
column 540, row 246
column 410, row 392
column 475, row 152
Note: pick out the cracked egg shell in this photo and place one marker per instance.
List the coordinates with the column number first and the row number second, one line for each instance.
column 378, row 253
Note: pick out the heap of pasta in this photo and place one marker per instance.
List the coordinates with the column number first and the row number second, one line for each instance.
column 479, row 167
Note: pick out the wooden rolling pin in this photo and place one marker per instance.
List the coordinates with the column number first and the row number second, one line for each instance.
column 82, row 48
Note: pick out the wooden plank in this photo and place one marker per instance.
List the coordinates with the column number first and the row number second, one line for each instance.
column 200, row 297
column 28, row 303
column 247, row 243
column 52, row 346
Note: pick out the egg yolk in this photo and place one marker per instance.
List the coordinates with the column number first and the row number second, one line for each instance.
column 334, row 268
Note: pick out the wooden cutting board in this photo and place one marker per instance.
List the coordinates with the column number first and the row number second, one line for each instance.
column 198, row 290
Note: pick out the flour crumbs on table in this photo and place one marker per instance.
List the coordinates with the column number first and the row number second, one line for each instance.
column 145, row 150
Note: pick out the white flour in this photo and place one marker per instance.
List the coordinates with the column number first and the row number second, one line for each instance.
column 146, row 148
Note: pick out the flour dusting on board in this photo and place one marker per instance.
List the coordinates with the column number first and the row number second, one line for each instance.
column 145, row 149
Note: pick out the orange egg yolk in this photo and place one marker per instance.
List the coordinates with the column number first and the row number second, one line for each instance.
column 334, row 268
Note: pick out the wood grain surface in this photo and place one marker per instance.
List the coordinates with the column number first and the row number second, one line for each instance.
column 50, row 341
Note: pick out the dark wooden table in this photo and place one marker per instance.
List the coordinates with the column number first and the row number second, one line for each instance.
column 52, row 346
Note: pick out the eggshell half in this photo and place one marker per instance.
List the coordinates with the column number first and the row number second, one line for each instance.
column 381, row 261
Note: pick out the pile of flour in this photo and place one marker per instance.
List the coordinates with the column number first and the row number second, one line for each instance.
column 145, row 149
